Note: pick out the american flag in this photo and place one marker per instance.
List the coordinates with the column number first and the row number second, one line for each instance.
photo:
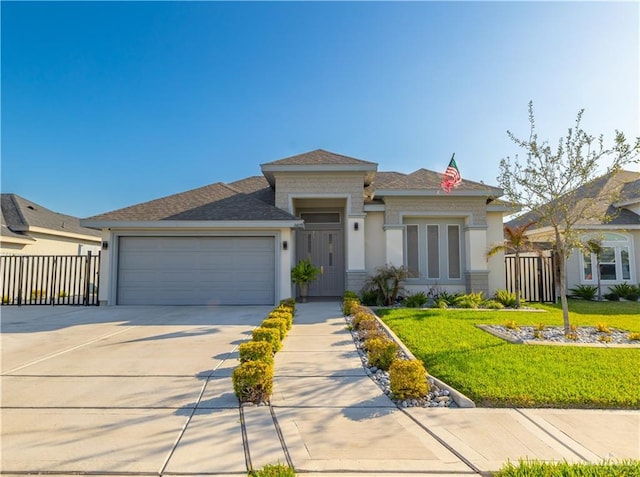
column 451, row 177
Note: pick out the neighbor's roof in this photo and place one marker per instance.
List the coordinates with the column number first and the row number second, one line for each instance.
column 19, row 215
column 600, row 195
column 215, row 202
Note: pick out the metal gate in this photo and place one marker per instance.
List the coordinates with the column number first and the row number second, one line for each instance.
column 537, row 281
column 50, row 279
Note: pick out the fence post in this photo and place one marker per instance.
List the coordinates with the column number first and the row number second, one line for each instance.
column 87, row 271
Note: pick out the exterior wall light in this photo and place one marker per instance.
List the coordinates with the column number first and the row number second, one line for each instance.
column 285, row 245
column 356, row 225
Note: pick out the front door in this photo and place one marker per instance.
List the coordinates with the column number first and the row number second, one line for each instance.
column 325, row 249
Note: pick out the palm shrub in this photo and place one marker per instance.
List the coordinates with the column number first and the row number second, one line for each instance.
column 253, row 381
column 386, row 284
column 586, row 292
column 256, row 351
column 470, row 300
column 505, row 297
column 416, row 300
column 625, row 290
column 270, row 335
column 408, row 379
column 381, row 352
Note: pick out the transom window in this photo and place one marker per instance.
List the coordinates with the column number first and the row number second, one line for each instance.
column 321, row 217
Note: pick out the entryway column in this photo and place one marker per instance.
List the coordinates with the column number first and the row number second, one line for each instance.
column 356, row 273
column 477, row 271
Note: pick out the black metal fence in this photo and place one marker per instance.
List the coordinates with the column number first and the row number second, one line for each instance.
column 536, row 277
column 50, row 279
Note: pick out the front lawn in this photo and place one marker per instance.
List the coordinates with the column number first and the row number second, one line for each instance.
column 495, row 373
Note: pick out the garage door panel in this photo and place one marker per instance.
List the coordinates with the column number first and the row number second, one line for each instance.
column 196, row 270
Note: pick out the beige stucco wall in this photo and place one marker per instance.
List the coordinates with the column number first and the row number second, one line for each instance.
column 291, row 185
column 45, row 244
column 473, row 208
column 495, row 264
column 374, row 242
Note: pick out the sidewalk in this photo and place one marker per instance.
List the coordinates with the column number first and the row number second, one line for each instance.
column 333, row 419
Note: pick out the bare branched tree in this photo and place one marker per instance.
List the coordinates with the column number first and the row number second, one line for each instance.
column 544, row 184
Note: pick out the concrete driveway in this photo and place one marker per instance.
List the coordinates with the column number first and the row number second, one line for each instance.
column 122, row 389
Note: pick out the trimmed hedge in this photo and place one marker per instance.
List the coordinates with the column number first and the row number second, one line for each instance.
column 270, row 335
column 256, row 351
column 279, row 324
column 408, row 379
column 253, row 381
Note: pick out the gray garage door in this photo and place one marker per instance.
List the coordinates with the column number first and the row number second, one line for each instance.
column 196, row 271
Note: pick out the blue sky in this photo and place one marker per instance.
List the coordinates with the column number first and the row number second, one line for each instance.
column 105, row 105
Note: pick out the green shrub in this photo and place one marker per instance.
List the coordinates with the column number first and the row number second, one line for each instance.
column 283, row 315
column 381, row 352
column 279, row 324
column 624, row 290
column 361, row 317
column 256, row 351
column 350, row 294
column 492, row 305
column 611, row 297
column 288, row 303
column 470, row 300
column 416, row 300
column 374, row 333
column 270, row 335
column 505, row 297
column 586, row 292
column 253, row 381
column 277, row 470
column 370, row 298
column 386, row 283
column 408, row 379
column 529, row 468
column 441, row 303
column 448, row 298
column 350, row 306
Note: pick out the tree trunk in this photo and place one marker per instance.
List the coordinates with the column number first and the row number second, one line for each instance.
column 517, row 280
column 561, row 256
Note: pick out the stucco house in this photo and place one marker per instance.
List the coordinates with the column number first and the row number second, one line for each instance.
column 236, row 243
column 27, row 228
column 615, row 196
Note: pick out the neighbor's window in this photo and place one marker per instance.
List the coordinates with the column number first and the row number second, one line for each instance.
column 615, row 261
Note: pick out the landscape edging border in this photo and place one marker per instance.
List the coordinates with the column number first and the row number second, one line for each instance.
column 461, row 400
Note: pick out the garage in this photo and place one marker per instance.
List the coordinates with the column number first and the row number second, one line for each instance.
column 224, row 270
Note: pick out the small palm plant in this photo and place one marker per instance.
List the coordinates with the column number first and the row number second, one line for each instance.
column 303, row 273
column 516, row 241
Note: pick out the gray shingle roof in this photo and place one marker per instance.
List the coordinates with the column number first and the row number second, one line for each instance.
column 317, row 157
column 600, row 195
column 257, row 187
column 18, row 214
column 424, row 179
column 213, row 202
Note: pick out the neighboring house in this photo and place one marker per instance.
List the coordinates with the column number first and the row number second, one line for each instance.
column 236, row 243
column 28, row 228
column 616, row 195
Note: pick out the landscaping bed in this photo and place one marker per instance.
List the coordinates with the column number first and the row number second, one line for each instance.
column 495, row 373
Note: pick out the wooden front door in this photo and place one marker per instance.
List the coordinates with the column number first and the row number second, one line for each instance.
column 325, row 249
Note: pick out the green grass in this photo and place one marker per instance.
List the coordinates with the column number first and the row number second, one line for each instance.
column 627, row 468
column 495, row 373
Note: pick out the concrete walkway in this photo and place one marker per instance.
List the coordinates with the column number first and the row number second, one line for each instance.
column 147, row 391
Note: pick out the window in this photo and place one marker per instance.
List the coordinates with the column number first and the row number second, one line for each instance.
column 433, row 252
column 321, row 217
column 453, row 239
column 413, row 256
column 614, row 264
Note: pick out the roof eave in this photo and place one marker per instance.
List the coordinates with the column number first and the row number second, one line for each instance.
column 269, row 169
column 437, row 192
column 192, row 224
